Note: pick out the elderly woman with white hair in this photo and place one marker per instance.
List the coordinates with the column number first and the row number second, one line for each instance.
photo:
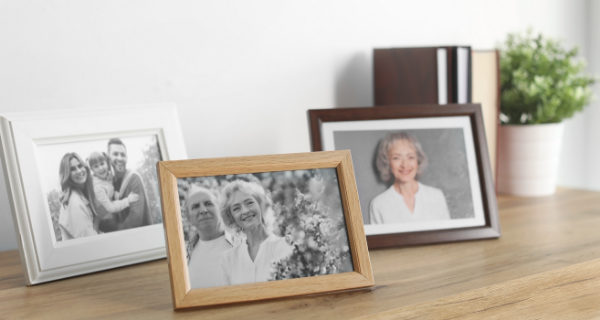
column 203, row 213
column 400, row 158
column 246, row 210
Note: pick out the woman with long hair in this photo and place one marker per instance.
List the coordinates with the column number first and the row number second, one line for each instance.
column 77, row 211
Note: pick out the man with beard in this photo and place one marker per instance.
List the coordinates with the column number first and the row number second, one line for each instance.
column 126, row 182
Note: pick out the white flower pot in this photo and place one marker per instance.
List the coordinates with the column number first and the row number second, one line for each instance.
column 528, row 157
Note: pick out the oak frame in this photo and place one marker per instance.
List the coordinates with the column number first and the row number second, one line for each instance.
column 491, row 229
column 185, row 297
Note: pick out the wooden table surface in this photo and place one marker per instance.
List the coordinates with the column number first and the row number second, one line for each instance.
column 545, row 265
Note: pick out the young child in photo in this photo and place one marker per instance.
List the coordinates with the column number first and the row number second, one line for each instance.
column 104, row 190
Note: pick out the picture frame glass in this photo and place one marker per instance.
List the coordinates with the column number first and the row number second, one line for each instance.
column 139, row 155
column 438, row 153
column 298, row 215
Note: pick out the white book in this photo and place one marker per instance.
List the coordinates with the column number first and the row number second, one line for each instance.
column 442, row 75
column 462, row 70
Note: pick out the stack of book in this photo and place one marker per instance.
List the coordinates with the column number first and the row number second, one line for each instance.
column 441, row 75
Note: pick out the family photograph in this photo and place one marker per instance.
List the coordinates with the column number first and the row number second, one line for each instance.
column 101, row 186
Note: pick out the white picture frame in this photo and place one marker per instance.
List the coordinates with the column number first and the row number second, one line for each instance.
column 43, row 258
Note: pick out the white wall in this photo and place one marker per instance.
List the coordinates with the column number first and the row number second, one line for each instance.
column 581, row 150
column 243, row 73
column 592, row 136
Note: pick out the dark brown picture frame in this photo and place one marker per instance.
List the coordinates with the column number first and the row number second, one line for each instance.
column 491, row 229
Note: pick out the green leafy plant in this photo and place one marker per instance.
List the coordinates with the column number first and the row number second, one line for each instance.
column 541, row 81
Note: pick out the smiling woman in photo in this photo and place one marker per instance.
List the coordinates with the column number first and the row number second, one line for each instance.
column 77, row 211
column 401, row 158
column 246, row 209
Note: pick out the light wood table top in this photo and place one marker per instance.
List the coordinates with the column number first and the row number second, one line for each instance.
column 545, row 265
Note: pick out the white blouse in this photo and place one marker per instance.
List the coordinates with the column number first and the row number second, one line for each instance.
column 76, row 220
column 389, row 207
column 238, row 268
column 205, row 262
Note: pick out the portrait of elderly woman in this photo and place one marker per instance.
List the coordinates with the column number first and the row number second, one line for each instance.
column 247, row 210
column 401, row 160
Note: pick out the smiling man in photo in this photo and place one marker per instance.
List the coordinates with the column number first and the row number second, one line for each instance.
column 204, row 214
column 126, row 182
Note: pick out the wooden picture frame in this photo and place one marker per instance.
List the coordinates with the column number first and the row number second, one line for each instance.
column 33, row 144
column 395, row 118
column 185, row 297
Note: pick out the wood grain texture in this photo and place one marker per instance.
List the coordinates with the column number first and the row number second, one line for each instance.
column 253, row 164
column 486, row 183
column 183, row 297
column 174, row 239
column 356, row 231
column 539, row 235
column 567, row 293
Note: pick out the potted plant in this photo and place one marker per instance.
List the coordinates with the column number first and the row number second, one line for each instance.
column 542, row 83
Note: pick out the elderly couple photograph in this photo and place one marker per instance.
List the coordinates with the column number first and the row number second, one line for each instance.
column 102, row 192
column 256, row 228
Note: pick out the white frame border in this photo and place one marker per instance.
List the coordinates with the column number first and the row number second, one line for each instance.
column 444, row 122
column 21, row 133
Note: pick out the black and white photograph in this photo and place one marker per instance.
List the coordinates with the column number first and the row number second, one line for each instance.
column 249, row 228
column 412, row 174
column 101, row 186
column 86, row 191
